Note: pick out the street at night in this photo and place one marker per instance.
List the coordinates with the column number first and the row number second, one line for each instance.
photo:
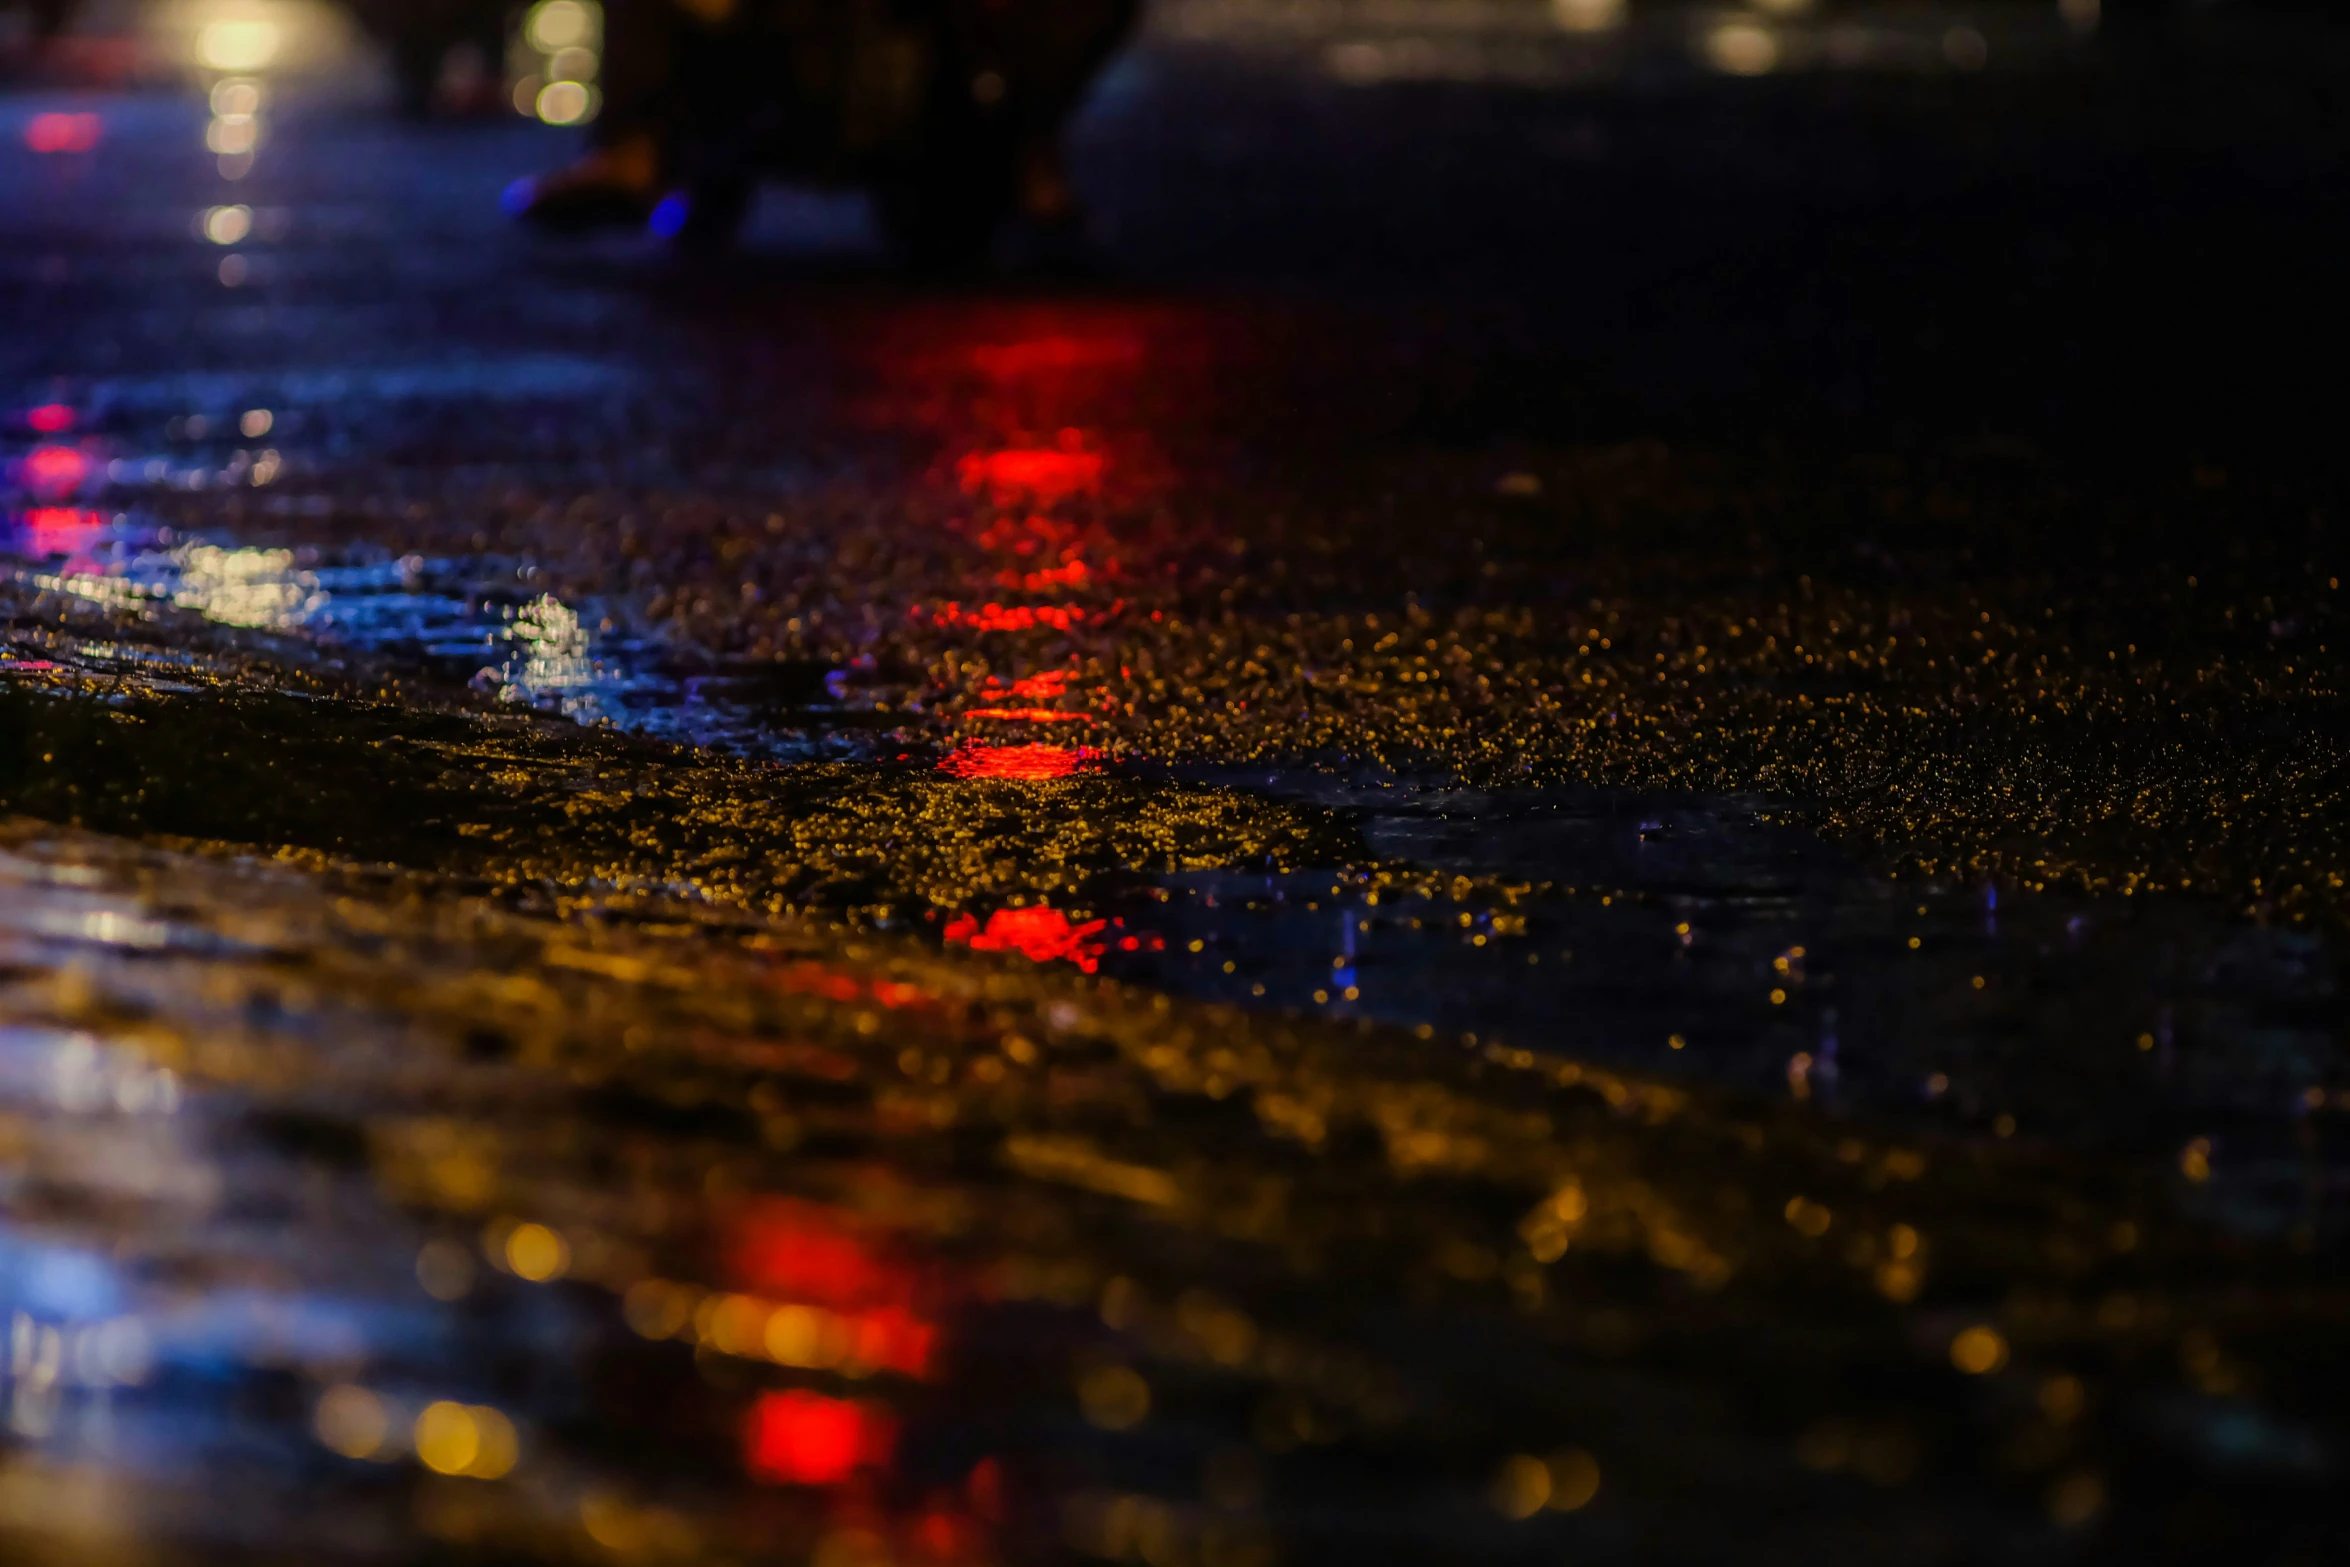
column 1579, row 794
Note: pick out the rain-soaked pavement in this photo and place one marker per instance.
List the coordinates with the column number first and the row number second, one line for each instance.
column 1596, row 814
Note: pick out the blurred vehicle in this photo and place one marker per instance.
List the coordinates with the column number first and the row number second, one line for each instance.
column 950, row 112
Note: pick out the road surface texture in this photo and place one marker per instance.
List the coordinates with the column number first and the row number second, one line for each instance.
column 1596, row 812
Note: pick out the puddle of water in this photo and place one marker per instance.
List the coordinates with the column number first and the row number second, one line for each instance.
column 384, row 1230
column 471, row 620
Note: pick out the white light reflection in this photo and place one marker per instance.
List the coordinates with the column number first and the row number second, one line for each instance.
column 558, row 25
column 562, row 103
column 552, row 651
column 246, row 587
column 232, row 137
column 228, row 225
column 235, row 98
column 80, row 1076
column 567, row 37
column 238, row 44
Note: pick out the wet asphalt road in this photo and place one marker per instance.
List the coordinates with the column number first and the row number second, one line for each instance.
column 1591, row 812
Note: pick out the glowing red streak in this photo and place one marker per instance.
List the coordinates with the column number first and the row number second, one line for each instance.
column 893, row 1339
column 50, row 418
column 1039, row 935
column 1073, row 575
column 1028, row 715
column 1047, row 354
column 1019, row 617
column 800, row 1438
column 793, row 1251
column 1032, row 763
column 55, row 470
column 814, row 979
column 944, row 1536
column 63, row 132
column 1043, row 472
column 1051, row 683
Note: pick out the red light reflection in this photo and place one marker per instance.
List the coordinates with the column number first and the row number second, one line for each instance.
column 1043, row 473
column 60, row 530
column 63, row 132
column 1052, row 683
column 1056, row 354
column 799, row 1252
column 1018, row 617
column 55, row 470
column 1073, row 575
column 829, row 1295
column 1029, row 763
column 50, row 418
column 815, row 979
column 802, row 1438
column 1040, row 935
column 1028, row 715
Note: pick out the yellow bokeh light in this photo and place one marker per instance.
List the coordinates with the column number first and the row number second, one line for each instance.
column 228, row 225
column 447, row 1441
column 2062, row 1398
column 1978, row 1351
column 497, row 1447
column 536, row 1253
column 1522, row 1487
column 563, row 103
column 557, row 24
column 573, row 65
column 236, row 45
column 1581, row 16
column 1742, row 49
column 351, row 1421
column 1574, row 1480
column 1809, row 1219
column 236, row 97
column 229, row 137
column 472, row 1440
column 795, row 1336
column 656, row 1308
column 1114, row 1397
